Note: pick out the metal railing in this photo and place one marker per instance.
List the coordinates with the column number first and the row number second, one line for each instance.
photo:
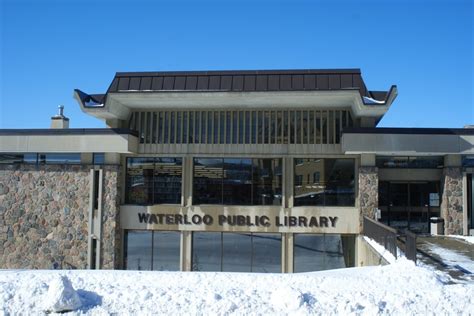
column 383, row 234
column 389, row 237
column 410, row 246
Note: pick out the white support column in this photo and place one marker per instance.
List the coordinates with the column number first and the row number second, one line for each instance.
column 185, row 254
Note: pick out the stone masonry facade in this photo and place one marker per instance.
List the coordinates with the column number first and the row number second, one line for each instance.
column 452, row 201
column 368, row 191
column 44, row 216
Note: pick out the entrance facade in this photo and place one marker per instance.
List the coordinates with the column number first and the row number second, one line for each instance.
column 409, row 205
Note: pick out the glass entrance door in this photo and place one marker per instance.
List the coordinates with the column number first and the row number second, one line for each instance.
column 409, row 205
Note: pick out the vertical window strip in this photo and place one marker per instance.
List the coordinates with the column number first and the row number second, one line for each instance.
column 197, row 127
column 202, row 128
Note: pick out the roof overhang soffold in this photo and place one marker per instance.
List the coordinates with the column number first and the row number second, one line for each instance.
column 119, row 105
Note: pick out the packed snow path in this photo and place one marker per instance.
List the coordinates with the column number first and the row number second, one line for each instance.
column 452, row 255
column 397, row 289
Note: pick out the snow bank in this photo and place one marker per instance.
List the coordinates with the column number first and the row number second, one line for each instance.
column 61, row 296
column 400, row 288
column 469, row 239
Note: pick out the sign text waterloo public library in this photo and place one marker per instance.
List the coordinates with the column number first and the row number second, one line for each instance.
column 238, row 220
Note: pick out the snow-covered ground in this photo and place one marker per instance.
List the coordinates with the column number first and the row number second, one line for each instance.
column 400, row 288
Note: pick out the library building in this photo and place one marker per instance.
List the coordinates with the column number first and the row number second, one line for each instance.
column 236, row 171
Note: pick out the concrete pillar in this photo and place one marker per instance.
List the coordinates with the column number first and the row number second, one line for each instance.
column 287, row 253
column 187, row 185
column 185, row 254
column 452, row 200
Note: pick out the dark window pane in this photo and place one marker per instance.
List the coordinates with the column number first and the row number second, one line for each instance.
column 166, row 251
column 237, row 182
column 138, row 250
column 237, row 252
column 208, row 175
column 167, row 181
column 434, row 162
column 11, row 158
column 267, row 181
column 319, row 252
column 140, row 180
column 207, row 252
column 266, row 253
column 327, row 182
column 98, row 158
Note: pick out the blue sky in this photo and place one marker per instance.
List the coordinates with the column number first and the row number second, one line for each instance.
column 48, row 48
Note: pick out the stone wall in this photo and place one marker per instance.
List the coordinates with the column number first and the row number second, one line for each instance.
column 368, row 191
column 111, row 238
column 452, row 201
column 44, row 216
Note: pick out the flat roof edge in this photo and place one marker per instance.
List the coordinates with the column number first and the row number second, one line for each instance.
column 408, row 131
column 69, row 131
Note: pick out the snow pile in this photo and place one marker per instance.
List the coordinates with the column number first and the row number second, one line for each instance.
column 61, row 296
column 368, row 100
column 469, row 239
column 400, row 288
column 387, row 255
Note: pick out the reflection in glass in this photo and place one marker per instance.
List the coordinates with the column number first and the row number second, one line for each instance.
column 236, row 252
column 318, row 252
column 266, row 253
column 208, row 176
column 166, row 251
column 325, row 182
column 153, row 180
column 138, row 250
column 237, row 181
column 431, row 162
column 207, row 252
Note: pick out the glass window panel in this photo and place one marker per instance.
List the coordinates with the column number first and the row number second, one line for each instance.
column 267, row 181
column 286, row 123
column 191, row 128
column 266, row 126
column 318, row 252
column 241, row 127
column 139, row 180
column 266, row 253
column 203, row 127
column 197, row 126
column 98, row 158
column 222, row 127
column 254, row 127
column 237, row 182
column 185, row 127
column 247, row 127
column 61, row 158
column 160, row 127
column 279, row 127
column 138, row 250
column 179, row 118
column 235, row 126
column 335, row 186
column 237, row 252
column 210, row 128
column 207, row 251
column 261, row 127
column 166, row 135
column 166, row 251
column 468, row 161
column 433, row 162
column 11, row 158
column 167, row 181
column 216, row 127
column 228, row 127
column 292, row 127
column 208, row 175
